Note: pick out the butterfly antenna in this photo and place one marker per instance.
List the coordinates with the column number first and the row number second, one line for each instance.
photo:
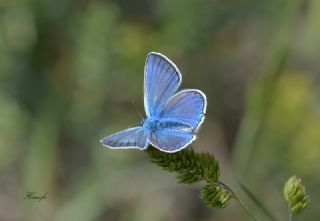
column 134, row 104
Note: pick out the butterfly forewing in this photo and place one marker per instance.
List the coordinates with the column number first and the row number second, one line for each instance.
column 182, row 116
column 187, row 107
column 135, row 137
column 161, row 81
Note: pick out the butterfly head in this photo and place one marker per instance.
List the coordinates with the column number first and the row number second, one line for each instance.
column 151, row 124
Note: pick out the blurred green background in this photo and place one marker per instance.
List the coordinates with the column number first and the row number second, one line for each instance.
column 69, row 70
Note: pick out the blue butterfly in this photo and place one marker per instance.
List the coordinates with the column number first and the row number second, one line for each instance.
column 173, row 119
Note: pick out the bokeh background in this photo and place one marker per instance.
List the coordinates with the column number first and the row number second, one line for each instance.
column 69, row 70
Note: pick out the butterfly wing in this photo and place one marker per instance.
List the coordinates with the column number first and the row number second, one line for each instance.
column 161, row 80
column 187, row 107
column 182, row 116
column 171, row 141
column 134, row 137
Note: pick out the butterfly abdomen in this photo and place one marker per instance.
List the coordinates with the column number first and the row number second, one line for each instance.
column 154, row 124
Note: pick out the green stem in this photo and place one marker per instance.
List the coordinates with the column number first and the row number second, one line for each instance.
column 234, row 195
column 257, row 202
column 245, row 208
column 290, row 215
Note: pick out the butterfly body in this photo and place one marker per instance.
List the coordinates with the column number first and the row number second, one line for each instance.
column 173, row 119
column 157, row 124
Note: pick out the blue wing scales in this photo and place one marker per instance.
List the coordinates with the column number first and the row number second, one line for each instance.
column 162, row 79
column 134, row 137
column 171, row 141
column 187, row 107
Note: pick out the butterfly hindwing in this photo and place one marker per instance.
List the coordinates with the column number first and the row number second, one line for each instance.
column 162, row 79
column 170, row 141
column 181, row 117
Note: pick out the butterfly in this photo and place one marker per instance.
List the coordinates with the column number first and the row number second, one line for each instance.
column 173, row 119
